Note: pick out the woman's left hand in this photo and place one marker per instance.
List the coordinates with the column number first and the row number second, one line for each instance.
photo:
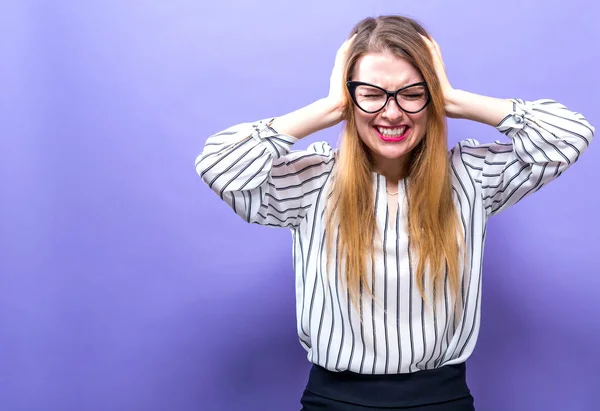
column 462, row 104
column 440, row 70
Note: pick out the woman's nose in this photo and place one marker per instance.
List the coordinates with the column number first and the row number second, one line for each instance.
column 392, row 110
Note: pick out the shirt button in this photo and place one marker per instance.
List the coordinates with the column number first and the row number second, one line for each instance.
column 518, row 119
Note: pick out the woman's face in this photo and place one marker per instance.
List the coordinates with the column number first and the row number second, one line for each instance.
column 391, row 133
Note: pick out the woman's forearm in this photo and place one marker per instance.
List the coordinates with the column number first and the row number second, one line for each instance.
column 307, row 120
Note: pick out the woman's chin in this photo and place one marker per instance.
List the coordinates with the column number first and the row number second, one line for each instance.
column 390, row 154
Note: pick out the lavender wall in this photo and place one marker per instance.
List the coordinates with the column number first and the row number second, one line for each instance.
column 125, row 284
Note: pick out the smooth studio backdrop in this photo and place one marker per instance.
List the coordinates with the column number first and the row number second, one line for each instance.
column 126, row 284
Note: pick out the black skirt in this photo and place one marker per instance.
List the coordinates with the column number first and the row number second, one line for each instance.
column 442, row 389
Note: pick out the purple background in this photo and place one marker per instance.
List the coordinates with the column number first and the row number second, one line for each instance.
column 126, row 284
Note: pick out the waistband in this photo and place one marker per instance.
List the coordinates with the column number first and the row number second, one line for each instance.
column 391, row 390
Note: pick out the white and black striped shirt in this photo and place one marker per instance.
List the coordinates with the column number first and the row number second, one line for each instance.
column 266, row 183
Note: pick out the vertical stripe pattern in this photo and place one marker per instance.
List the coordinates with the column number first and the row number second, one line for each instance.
column 252, row 168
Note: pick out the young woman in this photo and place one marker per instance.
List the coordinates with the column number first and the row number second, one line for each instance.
column 388, row 230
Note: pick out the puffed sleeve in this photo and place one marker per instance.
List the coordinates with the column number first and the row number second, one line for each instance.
column 253, row 169
column 545, row 138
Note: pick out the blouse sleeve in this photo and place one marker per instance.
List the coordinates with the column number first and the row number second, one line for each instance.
column 545, row 138
column 252, row 168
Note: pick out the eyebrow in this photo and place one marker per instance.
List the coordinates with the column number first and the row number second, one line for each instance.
column 420, row 83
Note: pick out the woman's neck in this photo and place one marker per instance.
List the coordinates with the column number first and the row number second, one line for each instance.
column 393, row 170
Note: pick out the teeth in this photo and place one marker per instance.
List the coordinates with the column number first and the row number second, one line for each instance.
column 392, row 132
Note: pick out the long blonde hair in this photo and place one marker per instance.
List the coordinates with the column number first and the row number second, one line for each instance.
column 433, row 223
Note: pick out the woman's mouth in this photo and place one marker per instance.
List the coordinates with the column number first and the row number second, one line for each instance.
column 392, row 134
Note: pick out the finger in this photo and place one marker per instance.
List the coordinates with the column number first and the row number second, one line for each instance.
column 438, row 48
column 426, row 39
column 348, row 42
column 432, row 44
column 434, row 47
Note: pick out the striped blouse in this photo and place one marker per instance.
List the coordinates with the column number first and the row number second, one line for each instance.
column 253, row 169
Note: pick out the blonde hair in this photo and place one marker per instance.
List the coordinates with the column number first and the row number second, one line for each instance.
column 433, row 222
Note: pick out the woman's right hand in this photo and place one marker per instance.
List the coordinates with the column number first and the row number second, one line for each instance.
column 323, row 113
column 337, row 82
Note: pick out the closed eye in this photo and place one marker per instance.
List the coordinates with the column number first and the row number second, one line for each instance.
column 413, row 96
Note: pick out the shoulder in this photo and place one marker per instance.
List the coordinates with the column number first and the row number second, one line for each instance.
column 466, row 148
column 322, row 148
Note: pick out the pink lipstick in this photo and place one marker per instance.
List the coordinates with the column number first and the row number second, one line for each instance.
column 394, row 139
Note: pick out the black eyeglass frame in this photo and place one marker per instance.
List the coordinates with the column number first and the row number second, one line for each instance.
column 352, row 86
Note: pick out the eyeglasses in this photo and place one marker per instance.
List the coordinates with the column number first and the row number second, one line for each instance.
column 371, row 99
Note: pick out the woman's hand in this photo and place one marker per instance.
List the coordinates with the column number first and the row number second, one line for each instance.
column 462, row 104
column 440, row 69
column 337, row 82
column 323, row 113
